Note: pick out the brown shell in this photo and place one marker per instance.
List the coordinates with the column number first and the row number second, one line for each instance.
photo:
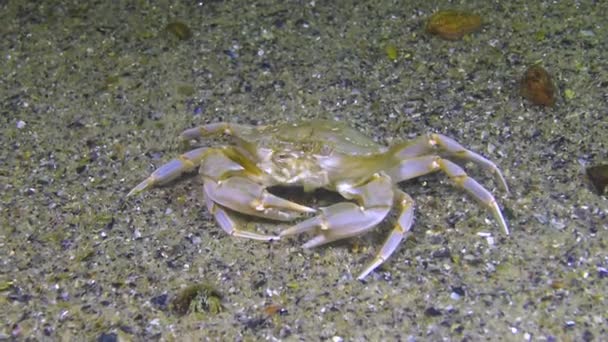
column 453, row 25
column 537, row 86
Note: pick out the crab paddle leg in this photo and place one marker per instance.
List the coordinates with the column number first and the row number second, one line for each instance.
column 173, row 169
column 402, row 227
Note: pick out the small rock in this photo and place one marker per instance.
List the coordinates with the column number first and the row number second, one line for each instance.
column 111, row 337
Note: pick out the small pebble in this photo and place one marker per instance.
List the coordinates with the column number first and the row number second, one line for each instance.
column 111, row 337
column 432, row 312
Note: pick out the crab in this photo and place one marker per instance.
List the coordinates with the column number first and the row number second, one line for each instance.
column 313, row 155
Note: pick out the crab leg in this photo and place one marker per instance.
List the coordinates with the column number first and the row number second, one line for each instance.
column 346, row 219
column 401, row 228
column 216, row 128
column 228, row 224
column 416, row 167
column 432, row 142
column 173, row 169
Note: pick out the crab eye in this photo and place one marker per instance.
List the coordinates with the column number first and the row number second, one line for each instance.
column 282, row 157
column 326, row 150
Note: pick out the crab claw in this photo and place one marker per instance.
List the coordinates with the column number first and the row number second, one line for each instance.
column 247, row 197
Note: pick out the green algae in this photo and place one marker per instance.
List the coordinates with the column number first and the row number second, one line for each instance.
column 391, row 52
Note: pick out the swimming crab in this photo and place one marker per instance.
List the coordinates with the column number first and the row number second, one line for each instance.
column 313, row 155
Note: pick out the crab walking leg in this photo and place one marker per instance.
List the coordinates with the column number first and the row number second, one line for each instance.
column 229, row 225
column 432, row 142
column 416, row 167
column 402, row 227
column 346, row 219
column 173, row 169
column 216, row 128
